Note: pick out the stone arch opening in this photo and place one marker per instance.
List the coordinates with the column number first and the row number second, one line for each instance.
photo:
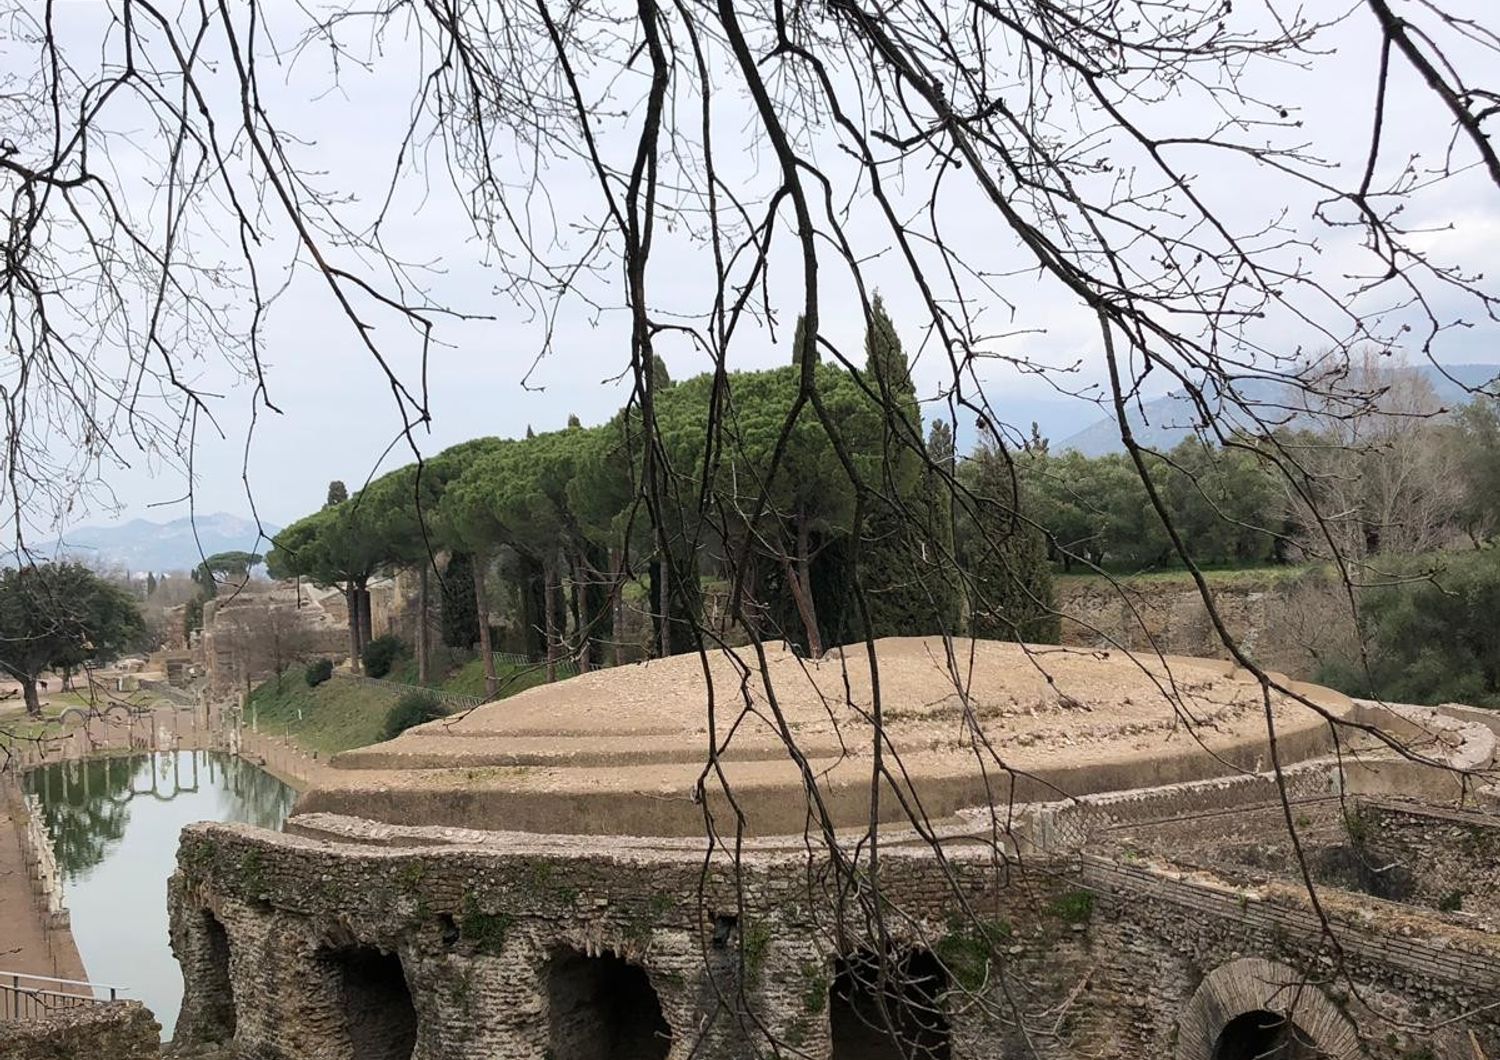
column 1264, row 1035
column 1251, row 1008
column 894, row 1016
column 379, row 1017
column 218, row 986
column 603, row 1008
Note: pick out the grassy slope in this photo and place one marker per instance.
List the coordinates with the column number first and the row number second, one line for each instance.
column 338, row 715
column 334, row 716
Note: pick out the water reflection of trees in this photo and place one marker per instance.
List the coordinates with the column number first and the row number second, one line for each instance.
column 86, row 804
column 250, row 794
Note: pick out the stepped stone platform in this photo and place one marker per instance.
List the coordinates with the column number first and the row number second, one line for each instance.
column 624, row 751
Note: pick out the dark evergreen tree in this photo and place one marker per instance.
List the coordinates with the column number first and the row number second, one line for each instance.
column 1004, row 555
column 338, row 493
column 661, row 379
column 460, row 612
column 798, row 336
column 905, row 558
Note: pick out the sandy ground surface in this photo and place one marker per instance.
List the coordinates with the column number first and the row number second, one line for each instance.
column 25, row 945
column 1055, row 705
column 1083, row 720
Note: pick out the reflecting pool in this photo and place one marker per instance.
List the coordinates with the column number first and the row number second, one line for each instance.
column 114, row 824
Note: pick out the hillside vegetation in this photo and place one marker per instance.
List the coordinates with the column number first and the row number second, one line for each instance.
column 338, row 714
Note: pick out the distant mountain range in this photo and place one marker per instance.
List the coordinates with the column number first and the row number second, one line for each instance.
column 1163, row 422
column 141, row 545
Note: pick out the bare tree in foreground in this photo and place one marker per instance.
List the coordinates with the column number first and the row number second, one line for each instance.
column 1092, row 157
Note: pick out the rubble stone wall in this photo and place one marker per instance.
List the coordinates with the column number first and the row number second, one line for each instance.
column 1092, row 957
column 1280, row 622
column 121, row 1030
column 1453, row 856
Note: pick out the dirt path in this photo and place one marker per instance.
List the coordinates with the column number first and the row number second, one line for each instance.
column 25, row 944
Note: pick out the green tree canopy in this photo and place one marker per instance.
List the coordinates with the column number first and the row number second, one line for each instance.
column 233, row 564
column 59, row 616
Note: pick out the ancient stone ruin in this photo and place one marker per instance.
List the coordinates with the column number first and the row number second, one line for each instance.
column 1102, row 867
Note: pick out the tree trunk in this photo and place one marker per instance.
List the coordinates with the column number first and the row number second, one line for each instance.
column 366, row 633
column 800, row 580
column 617, row 605
column 481, row 606
column 580, row 619
column 551, row 598
column 422, row 606
column 33, row 701
column 583, row 619
column 664, row 571
column 351, row 601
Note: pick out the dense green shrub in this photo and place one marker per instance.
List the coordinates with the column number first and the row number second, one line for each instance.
column 318, row 672
column 381, row 654
column 1430, row 636
column 413, row 708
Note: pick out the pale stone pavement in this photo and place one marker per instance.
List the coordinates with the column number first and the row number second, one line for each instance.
column 25, row 945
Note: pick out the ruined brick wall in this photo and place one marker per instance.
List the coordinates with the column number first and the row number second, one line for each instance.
column 1452, row 857
column 482, row 943
column 1391, row 980
column 121, row 1030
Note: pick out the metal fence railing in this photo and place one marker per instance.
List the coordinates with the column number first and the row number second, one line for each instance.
column 453, row 699
column 25, row 997
column 565, row 667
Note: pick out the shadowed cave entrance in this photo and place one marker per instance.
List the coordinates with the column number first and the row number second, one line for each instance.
column 376, row 1002
column 912, row 1025
column 603, row 1008
column 1262, row 1035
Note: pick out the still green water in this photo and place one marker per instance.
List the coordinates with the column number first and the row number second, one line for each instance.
column 114, row 825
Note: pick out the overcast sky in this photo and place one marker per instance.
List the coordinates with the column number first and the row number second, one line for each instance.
column 338, row 419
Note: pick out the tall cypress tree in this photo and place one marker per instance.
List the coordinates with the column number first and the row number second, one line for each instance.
column 904, row 562
column 798, row 336
column 460, row 612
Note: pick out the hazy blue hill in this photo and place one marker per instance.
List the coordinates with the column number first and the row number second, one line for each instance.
column 1163, row 422
column 143, row 545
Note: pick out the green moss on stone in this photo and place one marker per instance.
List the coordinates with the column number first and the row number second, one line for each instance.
column 755, row 940
column 1074, row 907
column 485, row 931
column 411, row 874
column 815, row 990
column 969, row 947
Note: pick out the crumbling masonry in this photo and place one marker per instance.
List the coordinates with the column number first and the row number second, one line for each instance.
column 1128, row 920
